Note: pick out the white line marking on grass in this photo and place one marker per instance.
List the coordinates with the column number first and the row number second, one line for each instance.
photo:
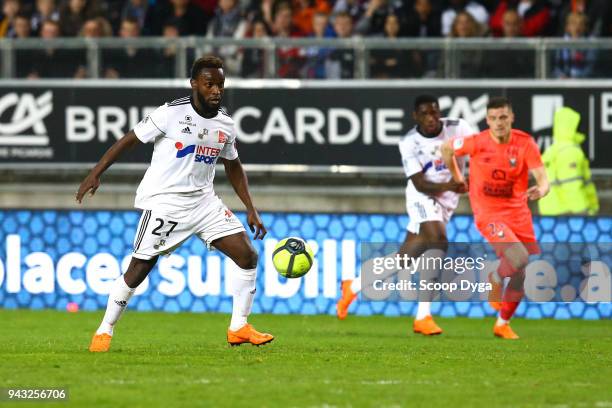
column 382, row 382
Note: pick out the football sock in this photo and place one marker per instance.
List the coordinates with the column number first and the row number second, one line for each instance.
column 510, row 302
column 243, row 288
column 356, row 285
column 423, row 310
column 500, row 321
column 118, row 299
column 430, row 272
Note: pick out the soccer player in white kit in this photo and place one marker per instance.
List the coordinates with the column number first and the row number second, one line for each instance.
column 177, row 198
column 431, row 197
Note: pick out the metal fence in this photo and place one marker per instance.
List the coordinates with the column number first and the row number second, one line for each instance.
column 309, row 58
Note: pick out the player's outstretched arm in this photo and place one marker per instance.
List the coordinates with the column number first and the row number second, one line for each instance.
column 237, row 177
column 448, row 156
column 542, row 186
column 92, row 181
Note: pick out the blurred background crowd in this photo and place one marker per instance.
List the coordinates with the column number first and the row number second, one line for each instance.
column 261, row 19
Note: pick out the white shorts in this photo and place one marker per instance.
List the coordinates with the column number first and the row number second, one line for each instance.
column 160, row 233
column 426, row 209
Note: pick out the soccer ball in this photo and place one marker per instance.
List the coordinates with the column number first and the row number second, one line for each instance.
column 292, row 257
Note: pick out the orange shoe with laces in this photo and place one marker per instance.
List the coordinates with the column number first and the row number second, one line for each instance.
column 426, row 326
column 504, row 331
column 100, row 343
column 248, row 334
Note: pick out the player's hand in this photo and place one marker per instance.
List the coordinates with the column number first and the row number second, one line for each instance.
column 256, row 225
column 535, row 193
column 90, row 184
column 459, row 188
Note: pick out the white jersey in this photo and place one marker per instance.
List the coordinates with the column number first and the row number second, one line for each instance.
column 422, row 154
column 186, row 149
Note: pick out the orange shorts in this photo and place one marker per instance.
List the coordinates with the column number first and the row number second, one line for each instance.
column 500, row 233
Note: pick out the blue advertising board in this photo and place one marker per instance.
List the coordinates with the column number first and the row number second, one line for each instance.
column 51, row 258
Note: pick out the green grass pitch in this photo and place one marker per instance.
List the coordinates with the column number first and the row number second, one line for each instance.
column 174, row 360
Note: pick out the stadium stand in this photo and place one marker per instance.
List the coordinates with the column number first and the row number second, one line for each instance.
column 504, row 26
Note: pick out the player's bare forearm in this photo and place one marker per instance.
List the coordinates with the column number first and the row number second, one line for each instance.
column 542, row 186
column 238, row 179
column 448, row 156
column 92, row 181
column 127, row 142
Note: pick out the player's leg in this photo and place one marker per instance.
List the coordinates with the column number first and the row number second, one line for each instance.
column 121, row 292
column 432, row 242
column 157, row 234
column 412, row 246
column 238, row 247
column 514, row 261
column 419, row 211
column 220, row 228
column 514, row 257
column 351, row 287
column 501, row 237
column 519, row 256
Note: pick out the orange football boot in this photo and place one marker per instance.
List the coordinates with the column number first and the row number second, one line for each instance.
column 248, row 334
column 426, row 326
column 100, row 343
column 348, row 296
column 495, row 295
column 505, row 332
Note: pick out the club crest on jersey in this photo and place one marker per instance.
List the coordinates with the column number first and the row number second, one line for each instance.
column 221, row 137
column 203, row 154
column 203, row 133
column 512, row 154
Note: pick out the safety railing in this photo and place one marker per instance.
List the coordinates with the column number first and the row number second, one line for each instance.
column 309, row 58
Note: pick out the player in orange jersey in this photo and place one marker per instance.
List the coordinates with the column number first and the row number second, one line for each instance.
column 501, row 159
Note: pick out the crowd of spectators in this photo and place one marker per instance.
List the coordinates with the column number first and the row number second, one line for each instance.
column 345, row 19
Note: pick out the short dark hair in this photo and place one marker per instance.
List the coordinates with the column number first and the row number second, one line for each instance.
column 499, row 102
column 205, row 62
column 423, row 99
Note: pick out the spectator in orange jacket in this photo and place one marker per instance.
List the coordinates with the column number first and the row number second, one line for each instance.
column 303, row 12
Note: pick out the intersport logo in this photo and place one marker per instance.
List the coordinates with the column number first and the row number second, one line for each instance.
column 25, row 126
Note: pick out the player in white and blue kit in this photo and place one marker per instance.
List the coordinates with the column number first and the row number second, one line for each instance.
column 431, row 197
column 177, row 198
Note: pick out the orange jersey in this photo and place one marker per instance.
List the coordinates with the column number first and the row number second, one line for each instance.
column 499, row 173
